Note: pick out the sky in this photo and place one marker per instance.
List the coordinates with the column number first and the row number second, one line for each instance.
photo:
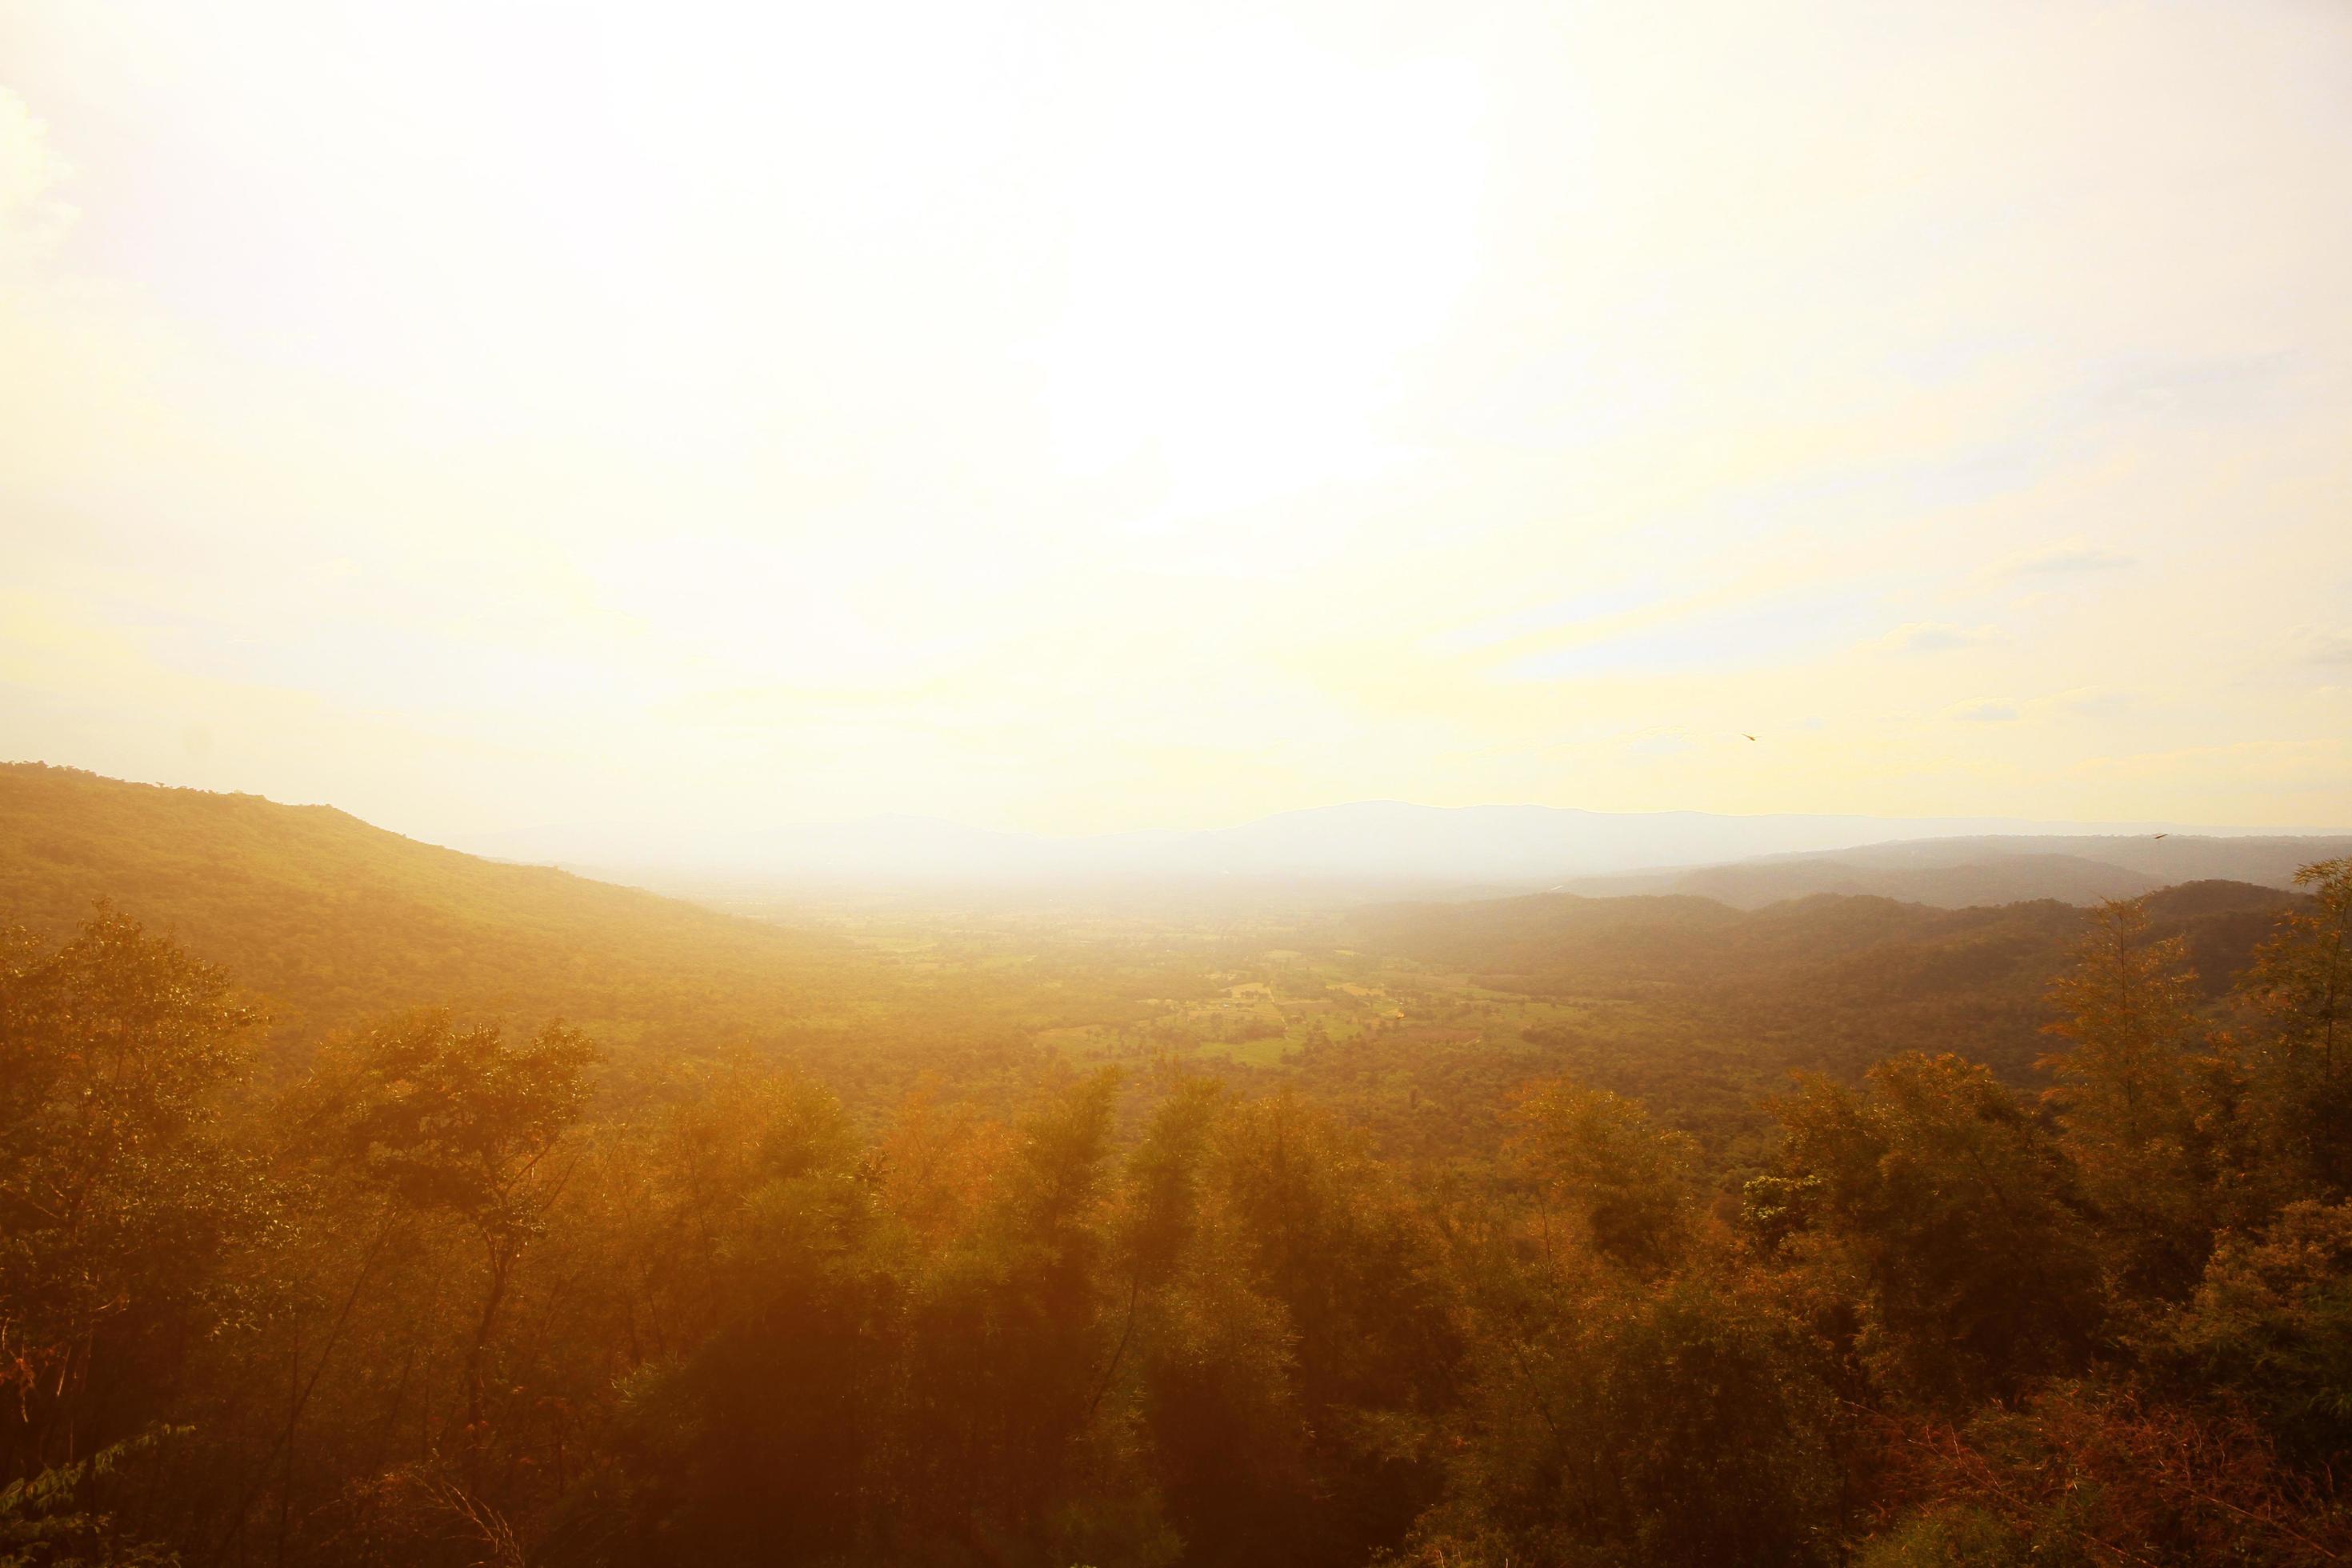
column 585, row 420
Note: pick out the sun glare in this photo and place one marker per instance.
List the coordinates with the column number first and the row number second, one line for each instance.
column 1076, row 417
column 1262, row 240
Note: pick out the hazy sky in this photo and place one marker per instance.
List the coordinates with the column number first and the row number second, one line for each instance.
column 491, row 416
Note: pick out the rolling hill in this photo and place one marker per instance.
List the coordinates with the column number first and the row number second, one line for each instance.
column 1958, row 872
column 1737, row 998
column 330, row 920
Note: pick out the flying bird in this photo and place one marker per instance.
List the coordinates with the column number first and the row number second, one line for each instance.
column 2164, row 835
column 1745, row 733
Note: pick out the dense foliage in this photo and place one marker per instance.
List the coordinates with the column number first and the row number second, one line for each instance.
column 455, row 1292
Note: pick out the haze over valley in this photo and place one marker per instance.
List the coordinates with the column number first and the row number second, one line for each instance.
column 1342, row 849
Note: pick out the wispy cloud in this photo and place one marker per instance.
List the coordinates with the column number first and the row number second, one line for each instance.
column 1669, row 745
column 2068, row 559
column 1934, row 636
column 1775, row 627
column 2087, row 702
column 2196, row 389
column 1982, row 711
column 2330, row 649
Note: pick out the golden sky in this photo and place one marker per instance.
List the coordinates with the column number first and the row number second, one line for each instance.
column 494, row 416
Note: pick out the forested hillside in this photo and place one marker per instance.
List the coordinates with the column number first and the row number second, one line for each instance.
column 330, row 922
column 1413, row 1020
column 1734, row 1000
column 454, row 1294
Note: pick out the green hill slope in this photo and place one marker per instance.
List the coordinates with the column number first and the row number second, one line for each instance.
column 1831, row 982
column 330, row 920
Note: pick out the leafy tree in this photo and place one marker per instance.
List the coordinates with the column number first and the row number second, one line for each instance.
column 2296, row 1052
column 1231, row 1451
column 1955, row 1208
column 2086, row 1475
column 1624, row 1180
column 1641, row 1423
column 56, row 1517
column 767, row 1442
column 2270, row 1325
column 1214, row 1372
column 1007, row 1339
column 463, row 1123
column 1328, row 1237
column 2128, row 1013
column 117, row 1196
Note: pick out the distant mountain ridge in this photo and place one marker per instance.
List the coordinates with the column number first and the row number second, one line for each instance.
column 1339, row 854
column 1374, row 847
column 1958, row 873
